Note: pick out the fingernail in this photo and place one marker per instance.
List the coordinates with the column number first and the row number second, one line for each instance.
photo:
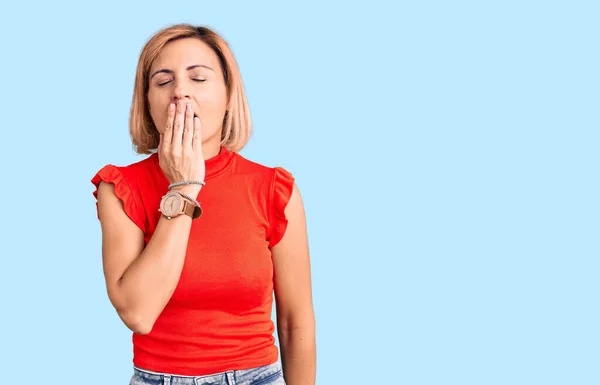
column 171, row 106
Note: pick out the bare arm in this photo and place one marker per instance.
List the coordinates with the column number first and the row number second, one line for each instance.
column 140, row 281
column 293, row 293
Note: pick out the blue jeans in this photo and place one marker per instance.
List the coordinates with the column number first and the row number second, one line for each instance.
column 263, row 375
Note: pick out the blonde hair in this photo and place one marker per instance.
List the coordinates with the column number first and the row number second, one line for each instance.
column 237, row 123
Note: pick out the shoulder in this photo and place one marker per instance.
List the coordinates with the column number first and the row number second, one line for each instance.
column 140, row 166
column 278, row 184
column 247, row 166
column 127, row 181
column 275, row 180
column 127, row 178
column 129, row 171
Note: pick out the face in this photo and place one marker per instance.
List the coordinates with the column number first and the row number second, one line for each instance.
column 189, row 70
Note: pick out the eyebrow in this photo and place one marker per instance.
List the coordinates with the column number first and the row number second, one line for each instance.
column 164, row 70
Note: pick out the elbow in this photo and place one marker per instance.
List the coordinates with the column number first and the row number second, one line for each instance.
column 131, row 316
column 136, row 322
column 299, row 321
column 141, row 328
column 299, row 331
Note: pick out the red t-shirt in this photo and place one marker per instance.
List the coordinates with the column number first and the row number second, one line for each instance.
column 219, row 317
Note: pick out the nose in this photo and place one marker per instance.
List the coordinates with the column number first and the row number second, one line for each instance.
column 180, row 91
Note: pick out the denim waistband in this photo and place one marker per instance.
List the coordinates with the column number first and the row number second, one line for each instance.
column 260, row 374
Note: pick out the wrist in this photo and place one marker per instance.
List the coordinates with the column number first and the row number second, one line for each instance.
column 192, row 190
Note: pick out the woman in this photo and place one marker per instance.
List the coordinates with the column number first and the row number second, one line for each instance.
column 196, row 238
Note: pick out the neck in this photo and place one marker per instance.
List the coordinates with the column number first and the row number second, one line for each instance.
column 211, row 149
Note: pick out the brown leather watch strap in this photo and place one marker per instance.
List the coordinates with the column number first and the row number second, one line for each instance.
column 190, row 209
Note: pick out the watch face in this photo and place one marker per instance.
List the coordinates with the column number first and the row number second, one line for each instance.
column 171, row 204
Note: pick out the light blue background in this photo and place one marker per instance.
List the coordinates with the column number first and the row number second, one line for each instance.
column 447, row 153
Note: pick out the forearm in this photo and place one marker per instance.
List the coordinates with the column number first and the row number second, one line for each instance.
column 298, row 355
column 148, row 284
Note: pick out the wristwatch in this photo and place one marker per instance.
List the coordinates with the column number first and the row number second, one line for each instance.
column 173, row 204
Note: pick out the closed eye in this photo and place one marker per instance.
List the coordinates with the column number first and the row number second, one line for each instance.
column 169, row 81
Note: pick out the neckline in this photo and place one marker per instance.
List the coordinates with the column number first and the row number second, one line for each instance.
column 214, row 166
column 218, row 163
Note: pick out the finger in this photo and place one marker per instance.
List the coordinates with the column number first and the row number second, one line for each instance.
column 197, row 138
column 188, row 129
column 178, row 127
column 168, row 135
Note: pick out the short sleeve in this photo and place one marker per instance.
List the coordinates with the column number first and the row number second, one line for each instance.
column 283, row 184
column 123, row 191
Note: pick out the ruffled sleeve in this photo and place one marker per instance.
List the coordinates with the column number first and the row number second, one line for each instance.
column 283, row 184
column 123, row 191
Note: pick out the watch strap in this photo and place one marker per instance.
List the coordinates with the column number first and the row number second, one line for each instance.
column 190, row 209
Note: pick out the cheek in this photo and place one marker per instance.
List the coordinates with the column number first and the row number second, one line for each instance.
column 210, row 102
column 212, row 105
column 158, row 112
column 211, row 114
